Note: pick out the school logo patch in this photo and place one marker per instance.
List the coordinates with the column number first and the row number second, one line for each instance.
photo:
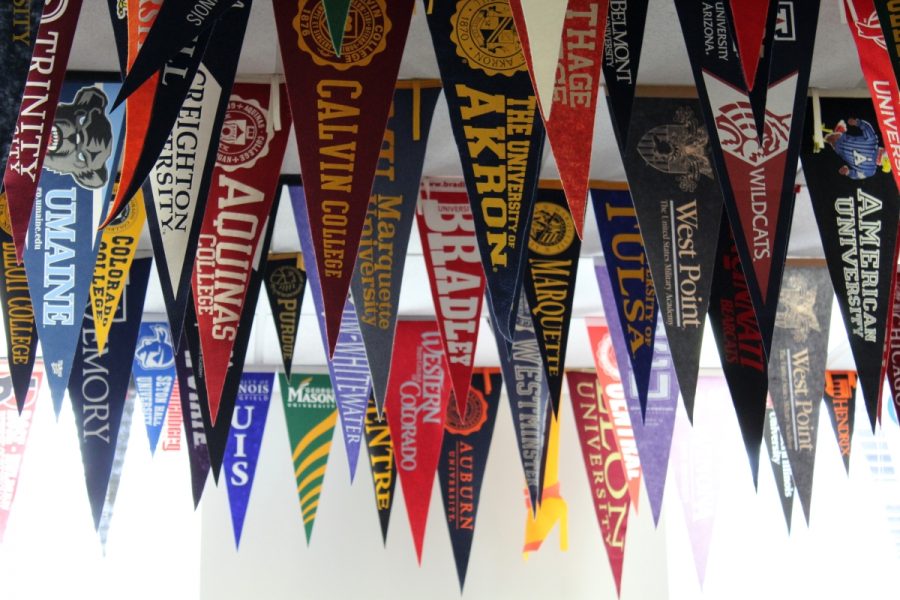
column 365, row 34
column 485, row 36
column 552, row 229
column 245, row 135
column 285, row 282
column 476, row 414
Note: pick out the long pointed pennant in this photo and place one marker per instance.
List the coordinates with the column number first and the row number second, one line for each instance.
column 15, row 424
column 499, row 134
column 18, row 312
column 553, row 508
column 98, row 387
column 679, row 206
column 756, row 168
column 749, row 22
column 634, row 296
column 621, row 57
column 172, row 440
column 336, row 12
column 840, row 400
column 115, row 473
column 781, row 466
column 118, row 17
column 244, row 186
column 604, row 465
column 447, row 232
column 857, row 210
column 39, row 135
column 342, row 105
column 467, row 441
column 285, row 280
column 383, row 463
column 311, row 415
column 244, row 441
column 418, row 394
column 154, row 374
column 567, row 87
column 63, row 238
column 797, row 368
column 553, row 249
column 385, row 236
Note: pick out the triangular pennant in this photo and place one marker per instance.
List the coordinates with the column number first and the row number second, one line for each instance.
column 464, row 454
column 383, row 463
column 244, row 441
column 115, row 473
column 499, row 134
column 311, row 414
column 385, row 235
column 118, row 17
column 749, row 21
column 781, row 466
column 552, row 508
column 604, row 465
column 154, row 375
column 797, row 367
column 893, row 373
column 539, row 25
column 776, row 22
column 285, row 284
column 621, row 57
column 336, row 12
column 840, row 400
column 679, row 206
column 173, row 437
column 418, row 394
column 447, row 232
column 341, row 104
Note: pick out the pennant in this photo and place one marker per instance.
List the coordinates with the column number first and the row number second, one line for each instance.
column 285, row 284
column 311, row 415
column 621, row 58
column 63, row 238
column 604, row 465
column 15, row 424
column 248, row 161
column 336, row 12
column 894, row 345
column 417, row 398
column 350, row 97
column 494, row 115
column 118, row 17
column 115, row 473
column 781, row 466
column 797, row 368
column 857, row 210
column 447, row 232
column 634, row 298
column 840, row 400
column 153, row 369
column 540, row 26
column 385, row 235
column 244, row 441
column 383, row 463
column 749, row 22
column 98, row 387
column 756, row 168
column 553, row 508
column 172, row 441
column 678, row 203
column 37, row 124
column 464, row 454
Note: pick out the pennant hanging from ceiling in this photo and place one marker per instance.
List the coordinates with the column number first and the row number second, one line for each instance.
column 781, row 466
column 553, row 508
column 447, row 232
column 342, row 105
column 634, row 296
column 15, row 424
column 417, row 397
column 500, row 137
column 382, row 462
column 336, row 12
column 118, row 17
column 679, row 206
column 153, row 369
column 98, row 387
column 756, row 168
column 63, row 237
column 385, row 235
column 467, row 441
column 245, row 177
column 37, row 124
column 311, row 414
column 749, row 22
column 553, row 249
column 857, row 210
column 604, row 465
column 115, row 473
column 285, row 284
column 244, row 441
column 840, row 400
column 797, row 368
column 621, row 58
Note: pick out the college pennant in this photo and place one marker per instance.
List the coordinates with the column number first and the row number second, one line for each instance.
column 857, row 210
column 417, row 397
column 244, row 441
column 500, row 137
column 464, row 453
column 621, row 58
column 756, row 168
column 154, row 375
column 797, row 368
column 604, row 465
column 749, row 21
column 383, row 463
column 98, row 387
column 781, row 466
column 385, row 235
column 447, row 232
column 552, row 507
column 342, row 104
column 311, row 414
column 285, row 284
column 840, row 400
column 172, row 440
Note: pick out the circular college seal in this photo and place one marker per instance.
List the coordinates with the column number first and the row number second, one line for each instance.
column 476, row 414
column 552, row 230
column 4, row 215
column 365, row 34
column 245, row 135
column 285, row 282
column 128, row 217
column 485, row 36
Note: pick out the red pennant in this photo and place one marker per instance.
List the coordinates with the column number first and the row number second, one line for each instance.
column 251, row 149
column 417, row 396
column 749, row 30
column 341, row 104
column 447, row 231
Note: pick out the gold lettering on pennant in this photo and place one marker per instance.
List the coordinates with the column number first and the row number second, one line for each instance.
column 365, row 34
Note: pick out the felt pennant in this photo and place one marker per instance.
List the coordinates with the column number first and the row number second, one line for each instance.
column 383, row 463
column 621, row 57
column 840, row 400
column 285, row 284
column 154, row 374
column 118, row 18
column 553, row 508
column 781, row 466
column 115, row 473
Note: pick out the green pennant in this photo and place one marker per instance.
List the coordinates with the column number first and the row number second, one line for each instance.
column 336, row 12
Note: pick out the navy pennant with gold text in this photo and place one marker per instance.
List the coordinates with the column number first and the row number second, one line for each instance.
column 621, row 58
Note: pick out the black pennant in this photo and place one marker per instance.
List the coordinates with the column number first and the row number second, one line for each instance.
column 781, row 466
column 118, row 16
column 381, row 459
column 285, row 279
column 621, row 58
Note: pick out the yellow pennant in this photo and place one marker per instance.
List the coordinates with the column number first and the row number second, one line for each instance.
column 553, row 508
